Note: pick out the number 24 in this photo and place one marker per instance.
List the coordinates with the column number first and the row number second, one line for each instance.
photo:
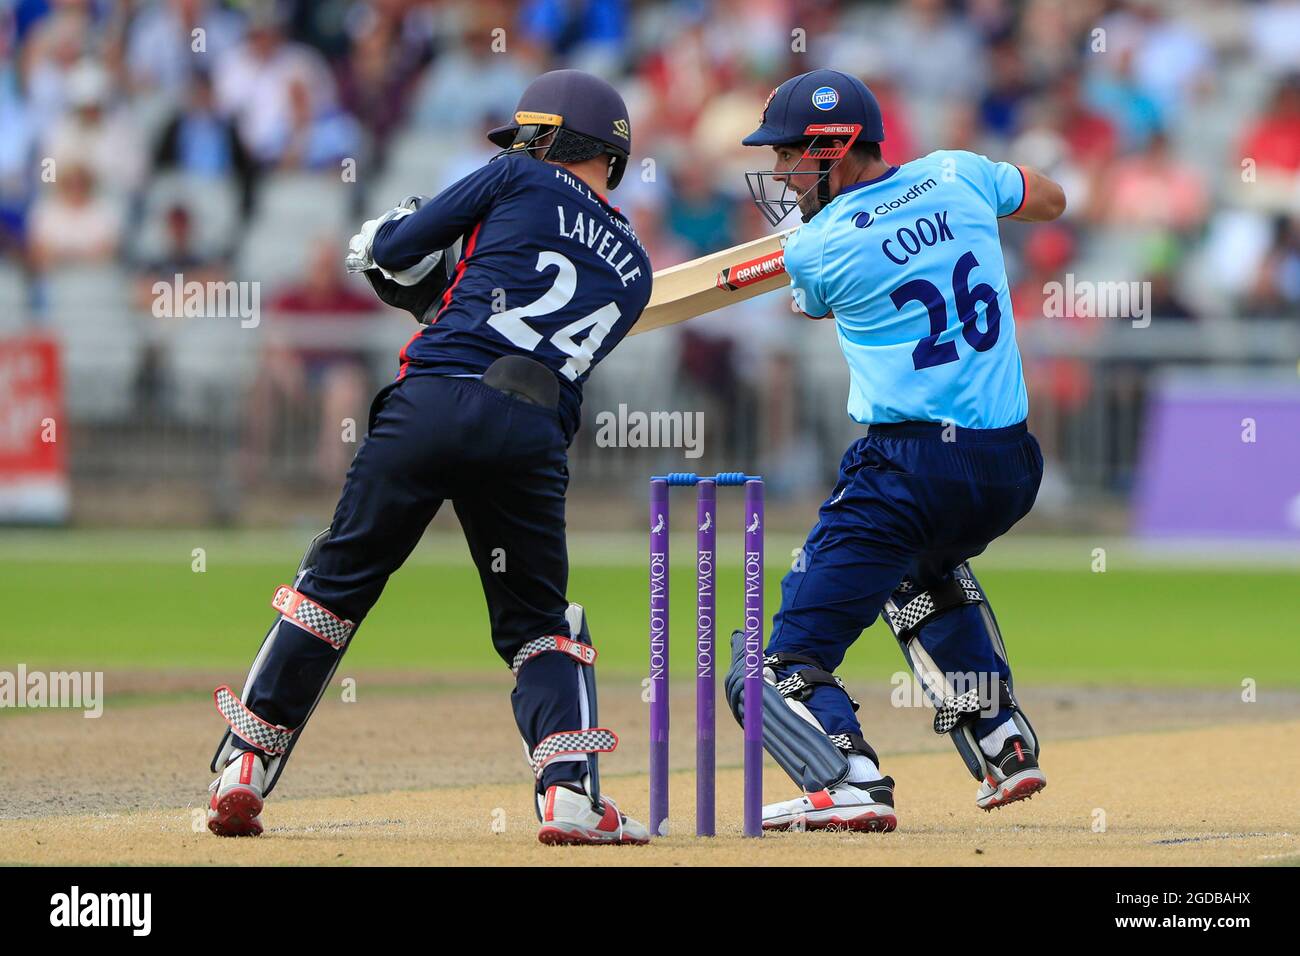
column 511, row 324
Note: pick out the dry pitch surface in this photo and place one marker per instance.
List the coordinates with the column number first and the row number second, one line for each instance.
column 430, row 773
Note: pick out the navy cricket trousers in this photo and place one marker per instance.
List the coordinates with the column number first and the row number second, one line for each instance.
column 908, row 503
column 503, row 464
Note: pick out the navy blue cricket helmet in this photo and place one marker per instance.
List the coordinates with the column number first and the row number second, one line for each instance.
column 587, row 113
column 818, row 98
column 813, row 109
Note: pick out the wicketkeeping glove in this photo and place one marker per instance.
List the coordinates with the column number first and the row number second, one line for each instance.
column 417, row 289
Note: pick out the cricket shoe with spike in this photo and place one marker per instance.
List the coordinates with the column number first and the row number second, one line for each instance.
column 868, row 807
column 236, row 803
column 569, row 819
column 1013, row 775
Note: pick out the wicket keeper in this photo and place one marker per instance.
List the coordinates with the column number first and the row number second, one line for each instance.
column 906, row 261
column 524, row 277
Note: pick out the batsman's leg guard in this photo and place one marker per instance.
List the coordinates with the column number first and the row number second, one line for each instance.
column 792, row 734
column 947, row 685
column 243, row 725
column 581, row 745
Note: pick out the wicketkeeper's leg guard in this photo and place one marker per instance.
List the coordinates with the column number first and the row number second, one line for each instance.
column 792, row 734
column 952, row 644
column 247, row 729
column 545, row 684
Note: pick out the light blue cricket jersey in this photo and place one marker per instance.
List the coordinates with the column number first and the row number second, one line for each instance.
column 911, row 265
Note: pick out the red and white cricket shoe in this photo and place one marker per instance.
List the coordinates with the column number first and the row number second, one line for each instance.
column 1013, row 775
column 568, row 819
column 236, row 803
column 866, row 807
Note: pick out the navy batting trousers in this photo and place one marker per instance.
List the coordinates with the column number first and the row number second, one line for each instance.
column 913, row 500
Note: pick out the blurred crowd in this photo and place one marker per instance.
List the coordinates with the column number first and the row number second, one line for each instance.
column 1174, row 127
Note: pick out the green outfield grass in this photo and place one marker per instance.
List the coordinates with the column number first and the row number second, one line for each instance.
column 104, row 601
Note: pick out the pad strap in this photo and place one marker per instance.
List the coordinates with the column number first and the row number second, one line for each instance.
column 594, row 740
column 962, row 708
column 800, row 685
column 784, row 657
column 580, row 652
column 954, row 710
column 906, row 619
column 854, row 744
column 248, row 727
column 299, row 609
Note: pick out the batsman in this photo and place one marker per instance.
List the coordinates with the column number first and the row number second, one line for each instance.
column 906, row 261
column 523, row 277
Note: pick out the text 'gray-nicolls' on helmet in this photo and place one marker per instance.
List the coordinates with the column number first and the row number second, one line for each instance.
column 586, row 113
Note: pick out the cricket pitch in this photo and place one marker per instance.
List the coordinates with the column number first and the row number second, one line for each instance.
column 426, row 772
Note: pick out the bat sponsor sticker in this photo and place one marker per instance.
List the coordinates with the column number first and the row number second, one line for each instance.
column 754, row 270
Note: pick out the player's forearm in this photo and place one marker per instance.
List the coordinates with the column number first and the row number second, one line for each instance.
column 400, row 243
column 1044, row 198
column 439, row 221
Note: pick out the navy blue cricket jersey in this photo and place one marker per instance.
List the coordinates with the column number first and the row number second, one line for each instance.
column 548, row 269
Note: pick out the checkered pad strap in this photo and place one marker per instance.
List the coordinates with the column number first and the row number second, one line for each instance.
column 800, row 684
column 580, row 652
column 299, row 609
column 248, row 727
column 852, row 744
column 908, row 618
column 594, row 740
column 955, row 709
column 798, row 687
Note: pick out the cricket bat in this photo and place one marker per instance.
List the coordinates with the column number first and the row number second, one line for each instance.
column 714, row 281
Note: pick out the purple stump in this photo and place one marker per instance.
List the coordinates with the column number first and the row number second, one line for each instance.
column 658, row 658
column 705, row 656
column 754, row 658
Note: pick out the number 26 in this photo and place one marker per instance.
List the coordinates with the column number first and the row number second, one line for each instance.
column 930, row 352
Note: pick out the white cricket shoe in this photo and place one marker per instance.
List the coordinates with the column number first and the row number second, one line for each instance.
column 568, row 819
column 868, row 807
column 1013, row 775
column 236, row 802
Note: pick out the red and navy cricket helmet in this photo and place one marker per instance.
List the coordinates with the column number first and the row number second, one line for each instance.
column 819, row 98
column 813, row 109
